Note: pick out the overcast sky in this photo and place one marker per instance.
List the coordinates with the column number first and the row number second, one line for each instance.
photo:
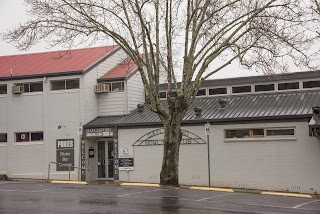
column 13, row 12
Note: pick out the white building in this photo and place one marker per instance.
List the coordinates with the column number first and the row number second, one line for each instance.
column 45, row 98
column 261, row 132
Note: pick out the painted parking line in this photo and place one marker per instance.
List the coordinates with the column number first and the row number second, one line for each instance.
column 300, row 205
column 25, row 191
column 215, row 196
column 134, row 193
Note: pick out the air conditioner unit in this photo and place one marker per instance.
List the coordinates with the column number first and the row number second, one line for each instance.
column 101, row 88
column 17, row 89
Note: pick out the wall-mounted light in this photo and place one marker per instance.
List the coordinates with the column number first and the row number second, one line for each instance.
column 60, row 126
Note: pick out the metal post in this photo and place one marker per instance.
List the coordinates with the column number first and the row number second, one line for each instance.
column 209, row 160
column 69, row 172
column 49, row 172
column 207, row 130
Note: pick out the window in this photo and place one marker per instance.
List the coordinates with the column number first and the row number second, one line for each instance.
column 279, row 132
column 3, row 89
column 245, row 133
column 116, row 86
column 266, row 87
column 216, row 91
column 311, row 84
column 258, row 133
column 65, row 84
column 202, row 92
column 241, row 89
column 163, row 95
column 3, row 137
column 288, row 86
column 29, row 136
column 31, row 87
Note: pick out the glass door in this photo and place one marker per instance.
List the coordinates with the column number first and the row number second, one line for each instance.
column 101, row 159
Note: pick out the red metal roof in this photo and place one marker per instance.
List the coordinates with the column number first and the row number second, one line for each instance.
column 122, row 70
column 52, row 62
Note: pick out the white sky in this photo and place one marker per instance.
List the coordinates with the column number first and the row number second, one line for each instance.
column 13, row 12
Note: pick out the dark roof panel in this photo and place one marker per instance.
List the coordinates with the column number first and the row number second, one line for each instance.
column 239, row 107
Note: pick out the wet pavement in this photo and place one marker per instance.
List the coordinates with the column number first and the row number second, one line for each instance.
column 26, row 197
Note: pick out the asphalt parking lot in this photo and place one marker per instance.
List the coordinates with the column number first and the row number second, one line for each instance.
column 27, row 197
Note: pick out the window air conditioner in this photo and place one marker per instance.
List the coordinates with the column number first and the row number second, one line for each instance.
column 101, row 88
column 17, row 89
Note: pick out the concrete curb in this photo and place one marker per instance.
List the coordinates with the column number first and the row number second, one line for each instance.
column 69, row 182
column 287, row 194
column 212, row 189
column 140, row 184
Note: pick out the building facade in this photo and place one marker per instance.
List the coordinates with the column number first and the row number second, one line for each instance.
column 86, row 109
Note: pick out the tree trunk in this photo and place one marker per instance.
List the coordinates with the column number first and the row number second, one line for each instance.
column 170, row 165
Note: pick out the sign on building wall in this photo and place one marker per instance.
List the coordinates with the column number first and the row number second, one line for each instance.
column 83, row 161
column 156, row 137
column 126, row 162
column 99, row 132
column 65, row 154
column 116, row 159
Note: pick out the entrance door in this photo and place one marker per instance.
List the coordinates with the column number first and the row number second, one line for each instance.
column 105, row 160
column 101, row 159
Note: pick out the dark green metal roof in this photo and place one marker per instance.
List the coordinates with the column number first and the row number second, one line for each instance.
column 249, row 107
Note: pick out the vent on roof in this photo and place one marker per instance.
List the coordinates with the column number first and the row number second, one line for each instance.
column 197, row 111
column 223, row 103
column 101, row 88
column 140, row 107
column 17, row 89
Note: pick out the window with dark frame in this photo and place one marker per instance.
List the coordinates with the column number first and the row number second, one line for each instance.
column 288, row 86
column 31, row 87
column 279, row 132
column 311, row 84
column 201, row 92
column 265, row 87
column 162, row 94
column 3, row 89
column 245, row 133
column 65, row 84
column 3, row 137
column 216, row 91
column 258, row 133
column 241, row 89
column 117, row 86
column 29, row 136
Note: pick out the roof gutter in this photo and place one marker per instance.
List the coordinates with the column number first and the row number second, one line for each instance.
column 68, row 73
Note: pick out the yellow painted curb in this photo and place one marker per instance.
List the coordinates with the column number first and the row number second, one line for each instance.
column 140, row 184
column 212, row 189
column 69, row 182
column 286, row 194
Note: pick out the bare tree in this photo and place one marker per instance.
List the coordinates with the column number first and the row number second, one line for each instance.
column 208, row 34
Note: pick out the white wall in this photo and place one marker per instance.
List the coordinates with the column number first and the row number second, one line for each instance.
column 278, row 164
column 135, row 91
column 112, row 103
column 148, row 159
column 3, row 129
column 111, row 62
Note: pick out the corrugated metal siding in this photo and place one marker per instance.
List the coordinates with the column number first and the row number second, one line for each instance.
column 240, row 107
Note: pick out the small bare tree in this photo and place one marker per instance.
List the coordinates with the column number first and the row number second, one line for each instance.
column 195, row 37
